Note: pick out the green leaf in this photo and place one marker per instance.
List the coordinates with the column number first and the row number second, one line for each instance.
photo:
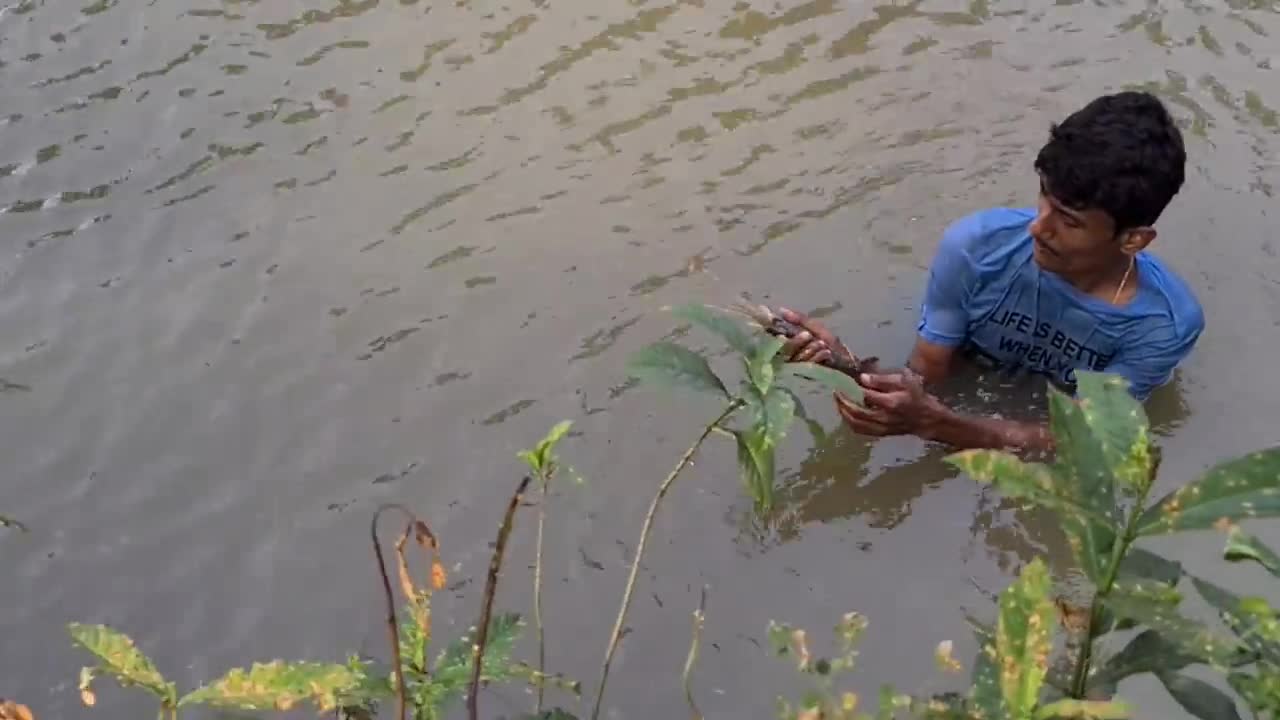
column 540, row 458
column 1259, row 633
column 1148, row 652
column 755, row 461
column 986, row 683
column 9, row 522
column 762, row 365
column 1199, row 698
column 554, row 714
column 1156, row 606
column 668, row 363
column 1243, row 546
column 122, row 660
column 1246, row 487
column 1120, row 426
column 277, row 685
column 1081, row 455
column 1140, row 563
column 731, row 331
column 451, row 674
column 1260, row 691
column 1085, row 710
column 778, row 411
column 833, row 379
column 1023, row 638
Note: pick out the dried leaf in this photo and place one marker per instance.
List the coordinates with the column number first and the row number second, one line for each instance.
column 10, row 710
column 945, row 660
column 1239, row 489
column 278, row 685
column 121, row 659
column 671, row 364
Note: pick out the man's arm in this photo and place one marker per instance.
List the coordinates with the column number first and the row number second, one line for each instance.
column 970, row 431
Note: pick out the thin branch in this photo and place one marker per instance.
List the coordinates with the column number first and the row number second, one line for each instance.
column 537, row 588
column 644, row 536
column 698, row 616
column 392, row 627
column 491, row 586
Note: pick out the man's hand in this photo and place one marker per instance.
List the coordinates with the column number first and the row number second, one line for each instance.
column 896, row 404
column 814, row 343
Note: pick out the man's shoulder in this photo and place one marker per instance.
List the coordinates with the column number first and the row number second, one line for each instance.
column 1171, row 298
column 986, row 238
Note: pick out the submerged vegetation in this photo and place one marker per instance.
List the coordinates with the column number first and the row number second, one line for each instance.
column 1056, row 647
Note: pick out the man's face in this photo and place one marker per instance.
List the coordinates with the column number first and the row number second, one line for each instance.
column 1069, row 241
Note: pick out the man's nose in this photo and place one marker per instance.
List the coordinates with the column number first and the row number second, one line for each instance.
column 1039, row 227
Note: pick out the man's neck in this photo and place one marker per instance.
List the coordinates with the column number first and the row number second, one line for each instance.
column 1105, row 284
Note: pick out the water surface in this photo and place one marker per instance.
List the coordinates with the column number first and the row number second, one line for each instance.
column 267, row 265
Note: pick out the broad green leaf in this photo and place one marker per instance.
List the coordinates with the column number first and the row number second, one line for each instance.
column 1260, row 632
column 833, row 379
column 762, row 364
column 1084, row 710
column 1199, row 698
column 121, row 659
column 731, row 331
column 756, row 463
column 1023, row 638
column 1239, row 489
column 1120, row 425
column 987, row 700
column 1081, row 456
column 1149, row 651
column 1036, row 483
column 1140, row 563
column 1243, row 546
column 277, row 685
column 668, row 363
column 779, row 410
column 1156, row 606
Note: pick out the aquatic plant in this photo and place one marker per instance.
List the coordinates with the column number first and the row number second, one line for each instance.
column 1051, row 651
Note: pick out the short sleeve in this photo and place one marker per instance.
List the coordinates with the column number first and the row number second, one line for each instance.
column 944, row 317
column 1149, row 362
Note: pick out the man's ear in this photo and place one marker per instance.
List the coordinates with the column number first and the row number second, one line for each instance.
column 1137, row 239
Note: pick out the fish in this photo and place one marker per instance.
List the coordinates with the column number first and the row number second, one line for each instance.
column 772, row 322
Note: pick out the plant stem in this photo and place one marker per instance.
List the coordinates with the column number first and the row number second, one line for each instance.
column 698, row 617
column 1120, row 546
column 491, row 586
column 537, row 588
column 392, row 628
column 644, row 536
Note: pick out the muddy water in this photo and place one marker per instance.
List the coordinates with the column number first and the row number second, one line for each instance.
column 267, row 265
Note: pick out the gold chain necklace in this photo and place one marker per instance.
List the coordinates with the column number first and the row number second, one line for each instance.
column 1123, row 281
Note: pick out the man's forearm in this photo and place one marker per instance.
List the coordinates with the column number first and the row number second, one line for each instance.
column 969, row 431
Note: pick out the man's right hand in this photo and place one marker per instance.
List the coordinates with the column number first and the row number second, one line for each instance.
column 814, row 343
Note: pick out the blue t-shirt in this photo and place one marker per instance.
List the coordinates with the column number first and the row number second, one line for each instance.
column 986, row 294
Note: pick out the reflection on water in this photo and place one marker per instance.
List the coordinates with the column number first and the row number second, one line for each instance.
column 266, row 265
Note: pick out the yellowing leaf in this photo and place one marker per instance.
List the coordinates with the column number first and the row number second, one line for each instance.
column 277, row 685
column 1239, row 489
column 1084, row 710
column 1023, row 639
column 10, row 710
column 119, row 658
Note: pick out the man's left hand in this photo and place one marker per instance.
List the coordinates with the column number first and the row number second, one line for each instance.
column 896, row 404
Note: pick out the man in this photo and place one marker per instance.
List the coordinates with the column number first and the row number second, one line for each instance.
column 1062, row 287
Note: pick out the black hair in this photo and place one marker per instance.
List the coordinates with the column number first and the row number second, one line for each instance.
column 1121, row 154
